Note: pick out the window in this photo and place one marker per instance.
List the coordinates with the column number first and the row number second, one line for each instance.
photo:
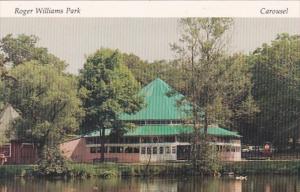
column 116, row 149
column 161, row 150
column 155, row 140
column 169, row 139
column 143, row 150
column 120, row 149
column 154, row 150
column 174, row 149
column 128, row 149
column 5, row 149
column 131, row 140
column 112, row 149
column 148, row 150
column 168, row 150
column 93, row 150
column 232, row 149
column 146, row 140
column 98, row 149
column 227, row 149
column 136, row 150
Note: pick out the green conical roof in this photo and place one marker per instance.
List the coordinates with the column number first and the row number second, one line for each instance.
column 159, row 105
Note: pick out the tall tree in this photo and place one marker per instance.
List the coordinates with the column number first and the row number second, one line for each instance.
column 276, row 78
column 215, row 85
column 107, row 89
column 48, row 104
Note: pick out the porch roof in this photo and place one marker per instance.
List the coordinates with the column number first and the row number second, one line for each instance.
column 165, row 130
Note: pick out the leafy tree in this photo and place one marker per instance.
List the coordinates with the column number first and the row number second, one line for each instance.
column 145, row 72
column 107, row 89
column 2, row 68
column 1, row 95
column 23, row 48
column 138, row 67
column 276, row 78
column 48, row 104
column 216, row 85
column 3, row 138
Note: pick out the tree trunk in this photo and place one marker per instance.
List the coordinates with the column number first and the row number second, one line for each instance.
column 205, row 125
column 294, row 143
column 102, row 144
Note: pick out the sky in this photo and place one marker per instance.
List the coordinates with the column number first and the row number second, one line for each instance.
column 71, row 39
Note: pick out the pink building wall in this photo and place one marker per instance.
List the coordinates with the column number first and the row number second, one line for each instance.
column 77, row 151
column 230, row 156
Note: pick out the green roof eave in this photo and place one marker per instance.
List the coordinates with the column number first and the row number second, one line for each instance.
column 218, row 131
column 166, row 130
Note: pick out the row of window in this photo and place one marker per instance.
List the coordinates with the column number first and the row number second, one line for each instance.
column 157, row 122
column 155, row 150
column 114, row 149
column 97, row 140
column 223, row 140
column 158, row 150
column 166, row 139
column 221, row 148
column 144, row 150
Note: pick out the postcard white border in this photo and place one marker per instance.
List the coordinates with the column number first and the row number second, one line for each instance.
column 153, row 9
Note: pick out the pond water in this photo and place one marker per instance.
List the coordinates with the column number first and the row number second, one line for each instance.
column 191, row 184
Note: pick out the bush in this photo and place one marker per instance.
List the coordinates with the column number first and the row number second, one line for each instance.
column 52, row 163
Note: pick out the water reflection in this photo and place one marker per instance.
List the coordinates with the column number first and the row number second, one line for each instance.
column 191, row 184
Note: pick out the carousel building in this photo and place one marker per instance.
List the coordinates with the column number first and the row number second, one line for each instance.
column 161, row 133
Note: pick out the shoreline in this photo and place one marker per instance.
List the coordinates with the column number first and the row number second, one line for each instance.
column 112, row 170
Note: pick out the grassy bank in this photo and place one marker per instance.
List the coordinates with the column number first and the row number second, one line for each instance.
column 106, row 170
column 262, row 167
column 16, row 170
column 109, row 170
column 124, row 170
column 180, row 169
